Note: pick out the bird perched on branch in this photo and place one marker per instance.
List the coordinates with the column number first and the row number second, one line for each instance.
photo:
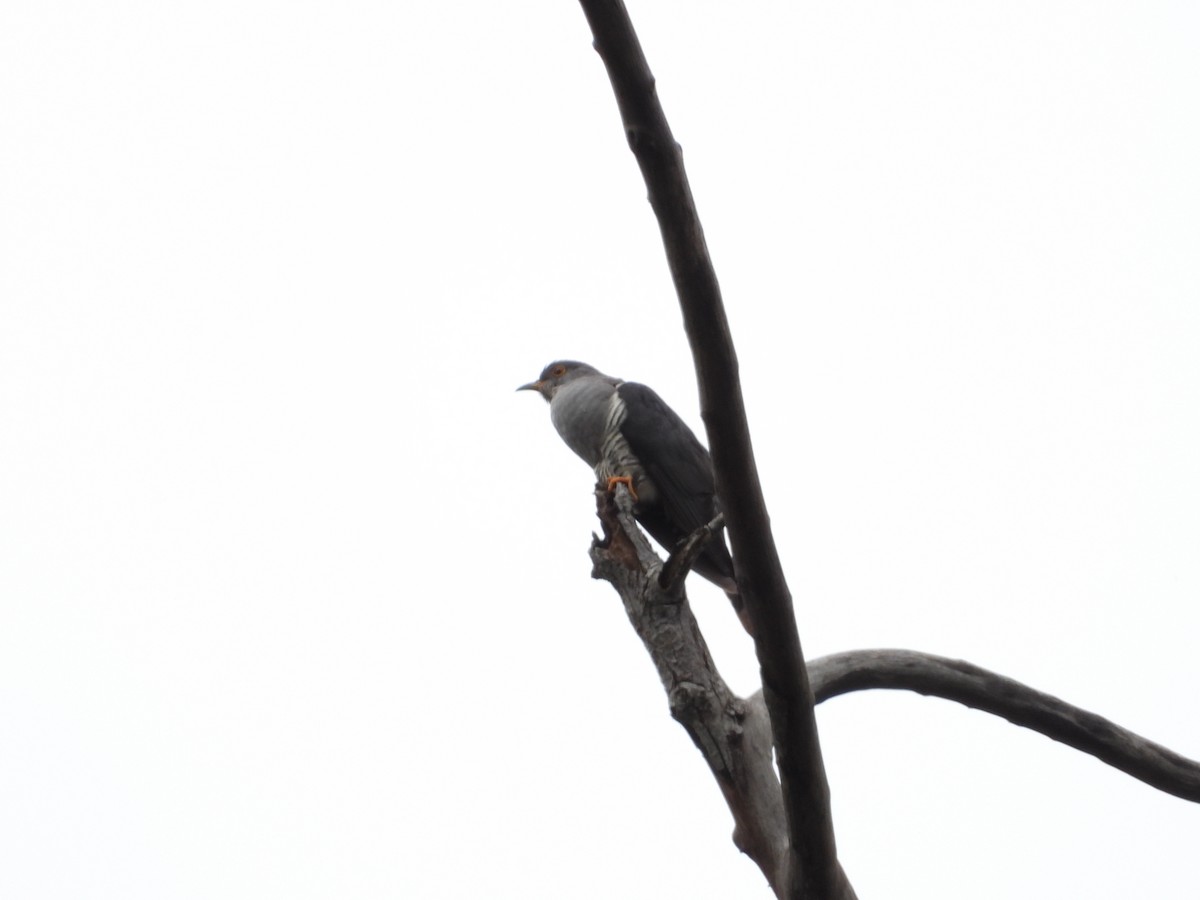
column 626, row 433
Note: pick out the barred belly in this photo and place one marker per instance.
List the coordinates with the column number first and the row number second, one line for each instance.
column 617, row 459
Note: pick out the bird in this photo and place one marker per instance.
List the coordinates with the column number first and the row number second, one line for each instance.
column 627, row 433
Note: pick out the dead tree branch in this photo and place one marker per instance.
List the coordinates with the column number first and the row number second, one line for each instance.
column 683, row 557
column 813, row 872
column 733, row 734
column 970, row 685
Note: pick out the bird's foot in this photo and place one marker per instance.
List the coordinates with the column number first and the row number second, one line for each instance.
column 622, row 479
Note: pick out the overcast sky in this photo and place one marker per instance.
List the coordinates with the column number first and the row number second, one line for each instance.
column 294, row 589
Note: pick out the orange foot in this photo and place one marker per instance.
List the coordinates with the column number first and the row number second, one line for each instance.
column 621, row 479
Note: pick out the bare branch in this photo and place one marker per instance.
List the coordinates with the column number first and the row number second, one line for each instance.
column 733, row 735
column 953, row 679
column 813, row 870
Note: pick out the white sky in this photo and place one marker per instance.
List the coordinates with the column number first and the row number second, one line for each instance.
column 294, row 589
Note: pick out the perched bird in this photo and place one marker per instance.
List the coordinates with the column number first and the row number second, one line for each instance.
column 625, row 432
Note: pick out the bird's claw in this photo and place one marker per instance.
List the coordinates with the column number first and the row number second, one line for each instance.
column 622, row 479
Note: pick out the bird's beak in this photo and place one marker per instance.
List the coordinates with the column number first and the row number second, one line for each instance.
column 541, row 387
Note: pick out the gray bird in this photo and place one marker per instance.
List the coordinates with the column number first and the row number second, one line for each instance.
column 625, row 431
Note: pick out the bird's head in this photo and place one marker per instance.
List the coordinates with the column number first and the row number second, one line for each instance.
column 555, row 375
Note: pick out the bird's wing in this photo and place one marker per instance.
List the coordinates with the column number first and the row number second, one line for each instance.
column 671, row 455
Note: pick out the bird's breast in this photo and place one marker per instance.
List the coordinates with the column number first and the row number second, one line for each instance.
column 588, row 415
column 580, row 413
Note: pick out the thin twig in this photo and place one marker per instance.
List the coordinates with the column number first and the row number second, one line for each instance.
column 683, row 557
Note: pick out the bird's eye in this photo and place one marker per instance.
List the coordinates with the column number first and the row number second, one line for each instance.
column 558, row 371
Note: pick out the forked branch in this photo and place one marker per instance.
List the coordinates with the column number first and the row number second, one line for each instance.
column 733, row 733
